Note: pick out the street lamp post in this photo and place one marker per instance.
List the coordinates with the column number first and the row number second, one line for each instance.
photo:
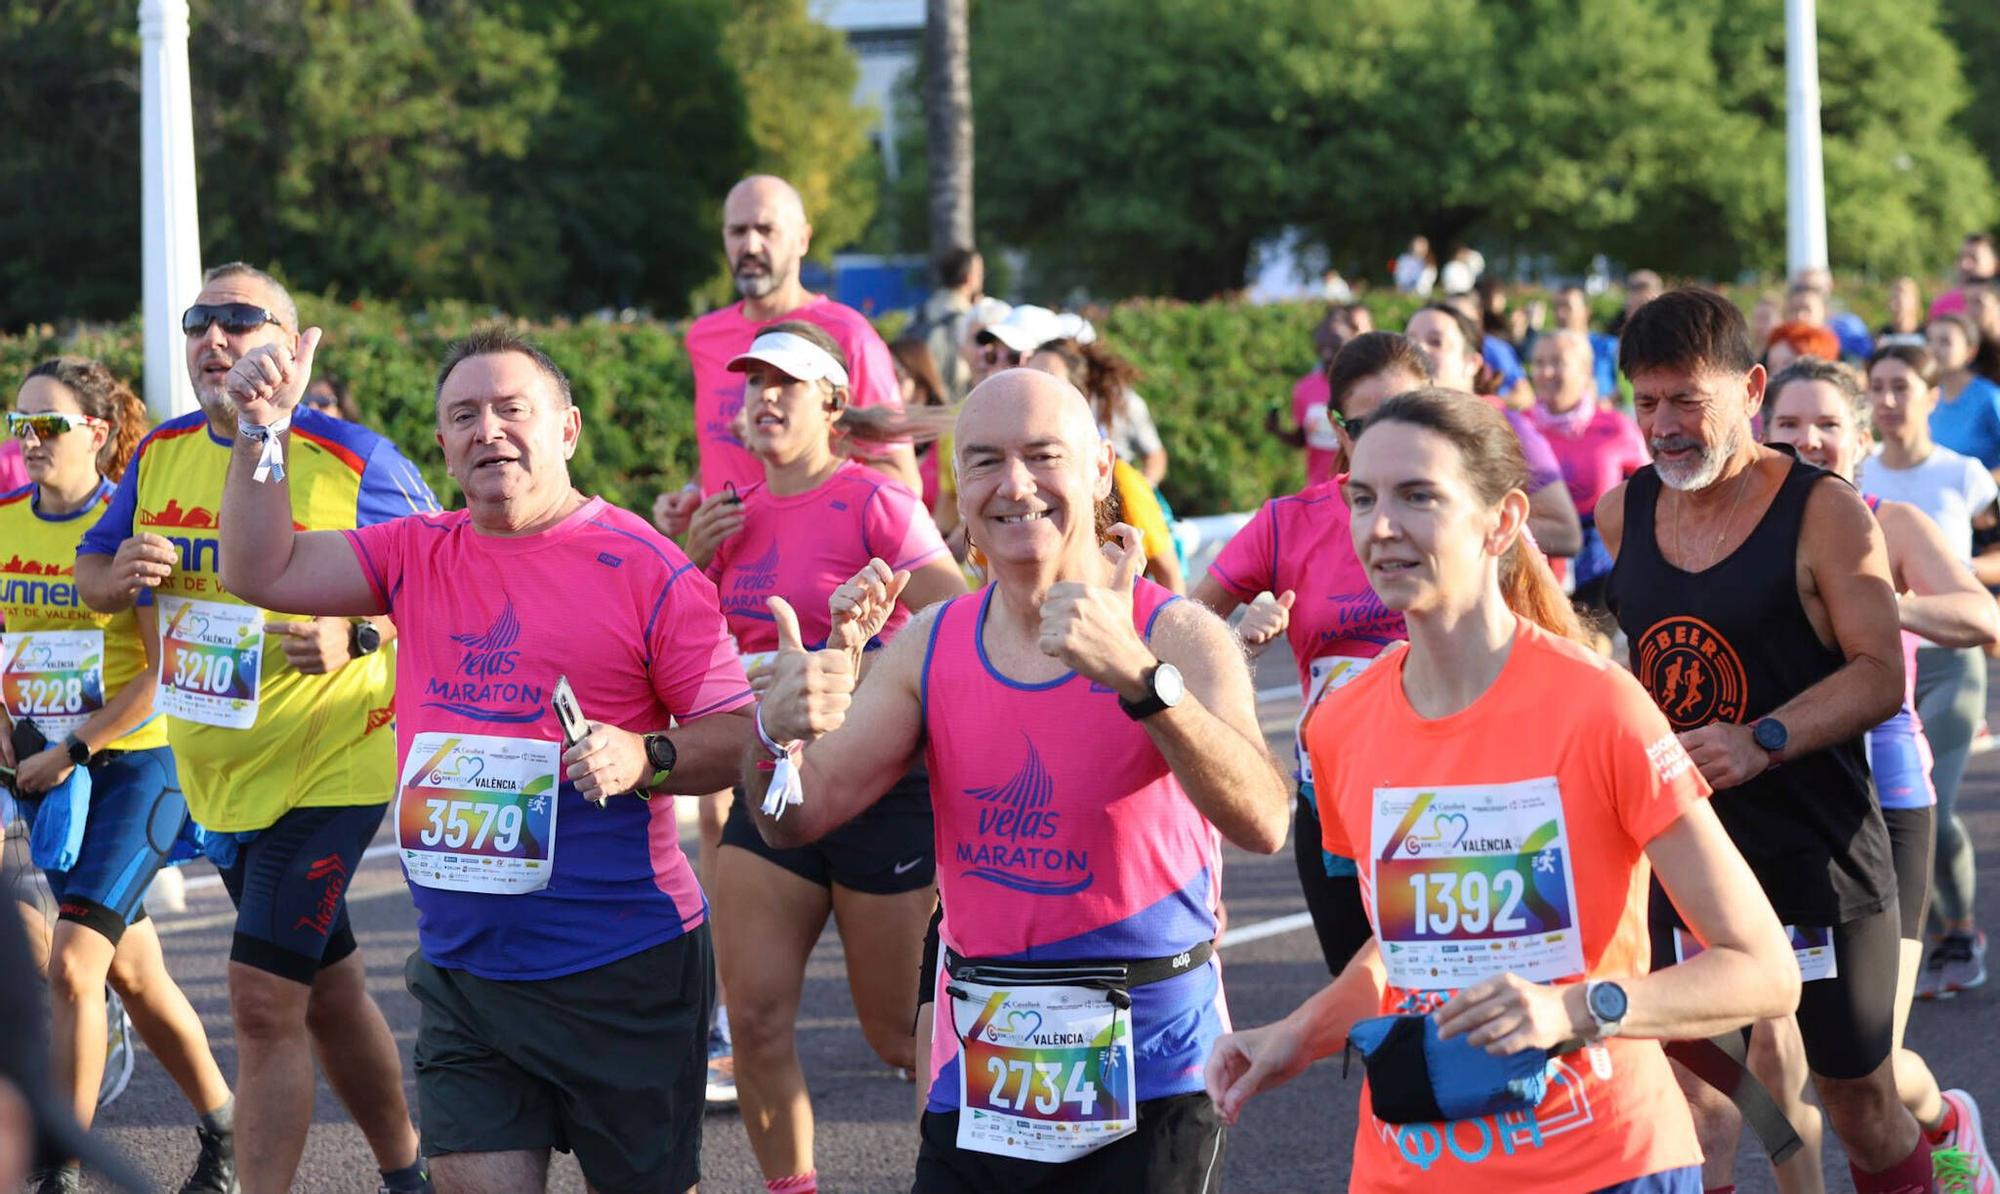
column 1805, row 174
column 170, row 233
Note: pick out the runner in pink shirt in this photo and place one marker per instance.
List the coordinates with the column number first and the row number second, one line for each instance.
column 814, row 521
column 765, row 235
column 1083, row 729
column 1597, row 445
column 1295, row 567
column 545, row 872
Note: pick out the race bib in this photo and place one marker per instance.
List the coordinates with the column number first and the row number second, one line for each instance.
column 1813, row 947
column 211, row 661
column 478, row 813
column 1328, row 674
column 1473, row 881
column 55, row 677
column 1045, row 1072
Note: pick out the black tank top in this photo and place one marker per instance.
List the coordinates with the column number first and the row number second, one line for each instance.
column 1732, row 644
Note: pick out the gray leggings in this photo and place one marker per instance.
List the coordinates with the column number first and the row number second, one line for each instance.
column 1951, row 700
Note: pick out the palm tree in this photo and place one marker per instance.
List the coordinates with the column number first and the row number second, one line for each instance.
column 948, row 112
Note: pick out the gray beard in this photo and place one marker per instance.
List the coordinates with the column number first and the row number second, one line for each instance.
column 1707, row 471
column 756, row 286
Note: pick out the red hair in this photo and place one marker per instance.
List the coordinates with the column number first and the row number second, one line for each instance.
column 1806, row 339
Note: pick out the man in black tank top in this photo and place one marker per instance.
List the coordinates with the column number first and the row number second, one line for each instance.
column 1756, row 595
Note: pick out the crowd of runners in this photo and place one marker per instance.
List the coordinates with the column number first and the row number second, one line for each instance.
column 1638, row 684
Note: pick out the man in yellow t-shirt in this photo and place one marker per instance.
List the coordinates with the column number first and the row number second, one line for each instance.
column 282, row 727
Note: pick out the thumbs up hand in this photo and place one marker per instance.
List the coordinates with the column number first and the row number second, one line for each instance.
column 267, row 382
column 1089, row 627
column 810, row 690
column 1265, row 619
column 862, row 606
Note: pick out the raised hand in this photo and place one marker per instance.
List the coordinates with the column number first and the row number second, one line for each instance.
column 717, row 518
column 671, row 511
column 862, row 606
column 1089, row 627
column 142, row 562
column 267, row 382
column 606, row 762
column 1265, row 619
column 809, row 691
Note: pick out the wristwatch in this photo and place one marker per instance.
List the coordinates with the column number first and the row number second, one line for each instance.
column 1165, row 688
column 660, row 757
column 1606, row 1002
column 363, row 638
column 1770, row 735
column 78, row 751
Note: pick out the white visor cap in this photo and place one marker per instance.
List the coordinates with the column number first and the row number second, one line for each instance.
column 792, row 355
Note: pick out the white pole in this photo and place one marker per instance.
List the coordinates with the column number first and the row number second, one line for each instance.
column 170, row 237
column 1805, row 175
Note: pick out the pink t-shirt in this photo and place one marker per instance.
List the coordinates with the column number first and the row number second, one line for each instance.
column 719, row 336
column 1304, row 543
column 805, row 546
column 1309, row 415
column 1597, row 455
column 486, row 625
column 13, row 471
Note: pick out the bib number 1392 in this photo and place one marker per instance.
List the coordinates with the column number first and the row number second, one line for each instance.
column 1446, row 903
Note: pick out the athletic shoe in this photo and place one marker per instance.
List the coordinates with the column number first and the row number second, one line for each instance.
column 1982, row 738
column 1960, row 1162
column 57, row 1179
column 1930, row 980
column 215, row 1169
column 721, row 1071
column 426, row 1188
column 118, row 1050
column 1963, row 964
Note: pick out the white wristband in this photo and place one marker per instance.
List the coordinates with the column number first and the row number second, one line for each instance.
column 771, row 744
column 271, row 457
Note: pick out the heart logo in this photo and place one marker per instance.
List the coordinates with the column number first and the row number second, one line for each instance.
column 1014, row 1024
column 1444, row 822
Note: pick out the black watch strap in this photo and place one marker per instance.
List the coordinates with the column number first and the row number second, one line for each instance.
column 78, row 751
column 1147, row 705
column 363, row 638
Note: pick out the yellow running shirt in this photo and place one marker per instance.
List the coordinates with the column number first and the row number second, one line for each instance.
column 38, row 595
column 253, row 737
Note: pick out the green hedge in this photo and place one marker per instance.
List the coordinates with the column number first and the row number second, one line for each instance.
column 1210, row 372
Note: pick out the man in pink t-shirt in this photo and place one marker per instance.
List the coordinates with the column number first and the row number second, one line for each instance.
column 545, row 873
column 765, row 236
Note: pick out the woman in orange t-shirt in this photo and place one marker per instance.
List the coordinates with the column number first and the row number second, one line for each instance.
column 1506, row 791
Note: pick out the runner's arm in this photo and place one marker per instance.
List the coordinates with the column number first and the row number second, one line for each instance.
column 1252, row 1060
column 850, row 768
column 1745, row 971
column 1609, row 515
column 1211, row 740
column 708, row 751
column 1843, row 548
column 128, row 710
column 1552, row 518
column 1937, row 596
column 939, row 580
column 267, row 563
column 1212, row 594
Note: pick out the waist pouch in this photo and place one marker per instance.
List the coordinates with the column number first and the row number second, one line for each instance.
column 1416, row 1078
column 1116, row 978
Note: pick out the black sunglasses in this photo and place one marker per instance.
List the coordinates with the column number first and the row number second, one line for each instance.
column 1351, row 424
column 235, row 318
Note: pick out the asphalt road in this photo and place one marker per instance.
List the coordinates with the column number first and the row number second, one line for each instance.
column 1295, row 1139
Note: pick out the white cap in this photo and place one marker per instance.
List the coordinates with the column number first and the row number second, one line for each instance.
column 792, row 355
column 1076, row 327
column 1025, row 329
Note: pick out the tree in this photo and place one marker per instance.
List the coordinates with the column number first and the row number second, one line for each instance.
column 798, row 85
column 1974, row 26
column 948, row 111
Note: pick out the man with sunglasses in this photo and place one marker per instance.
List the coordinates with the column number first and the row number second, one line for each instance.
column 282, row 730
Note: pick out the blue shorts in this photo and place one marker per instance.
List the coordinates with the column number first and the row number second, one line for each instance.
column 289, row 884
column 1686, row 1180
column 136, row 812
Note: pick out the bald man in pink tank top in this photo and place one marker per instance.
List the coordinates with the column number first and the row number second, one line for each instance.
column 1086, row 734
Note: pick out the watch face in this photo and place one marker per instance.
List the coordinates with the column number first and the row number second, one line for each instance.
column 1770, row 733
column 1168, row 685
column 1608, row 1002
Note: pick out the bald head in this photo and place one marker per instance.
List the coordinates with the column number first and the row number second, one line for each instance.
column 764, row 235
column 1032, row 467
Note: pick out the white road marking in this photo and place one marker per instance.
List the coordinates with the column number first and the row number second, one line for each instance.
column 1258, row 930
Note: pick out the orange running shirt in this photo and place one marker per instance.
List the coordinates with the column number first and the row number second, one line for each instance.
column 1510, row 836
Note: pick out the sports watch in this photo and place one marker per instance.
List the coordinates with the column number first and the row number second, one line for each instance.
column 660, row 757
column 1770, row 735
column 1164, row 690
column 78, row 751
column 363, row 638
column 1606, row 1002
